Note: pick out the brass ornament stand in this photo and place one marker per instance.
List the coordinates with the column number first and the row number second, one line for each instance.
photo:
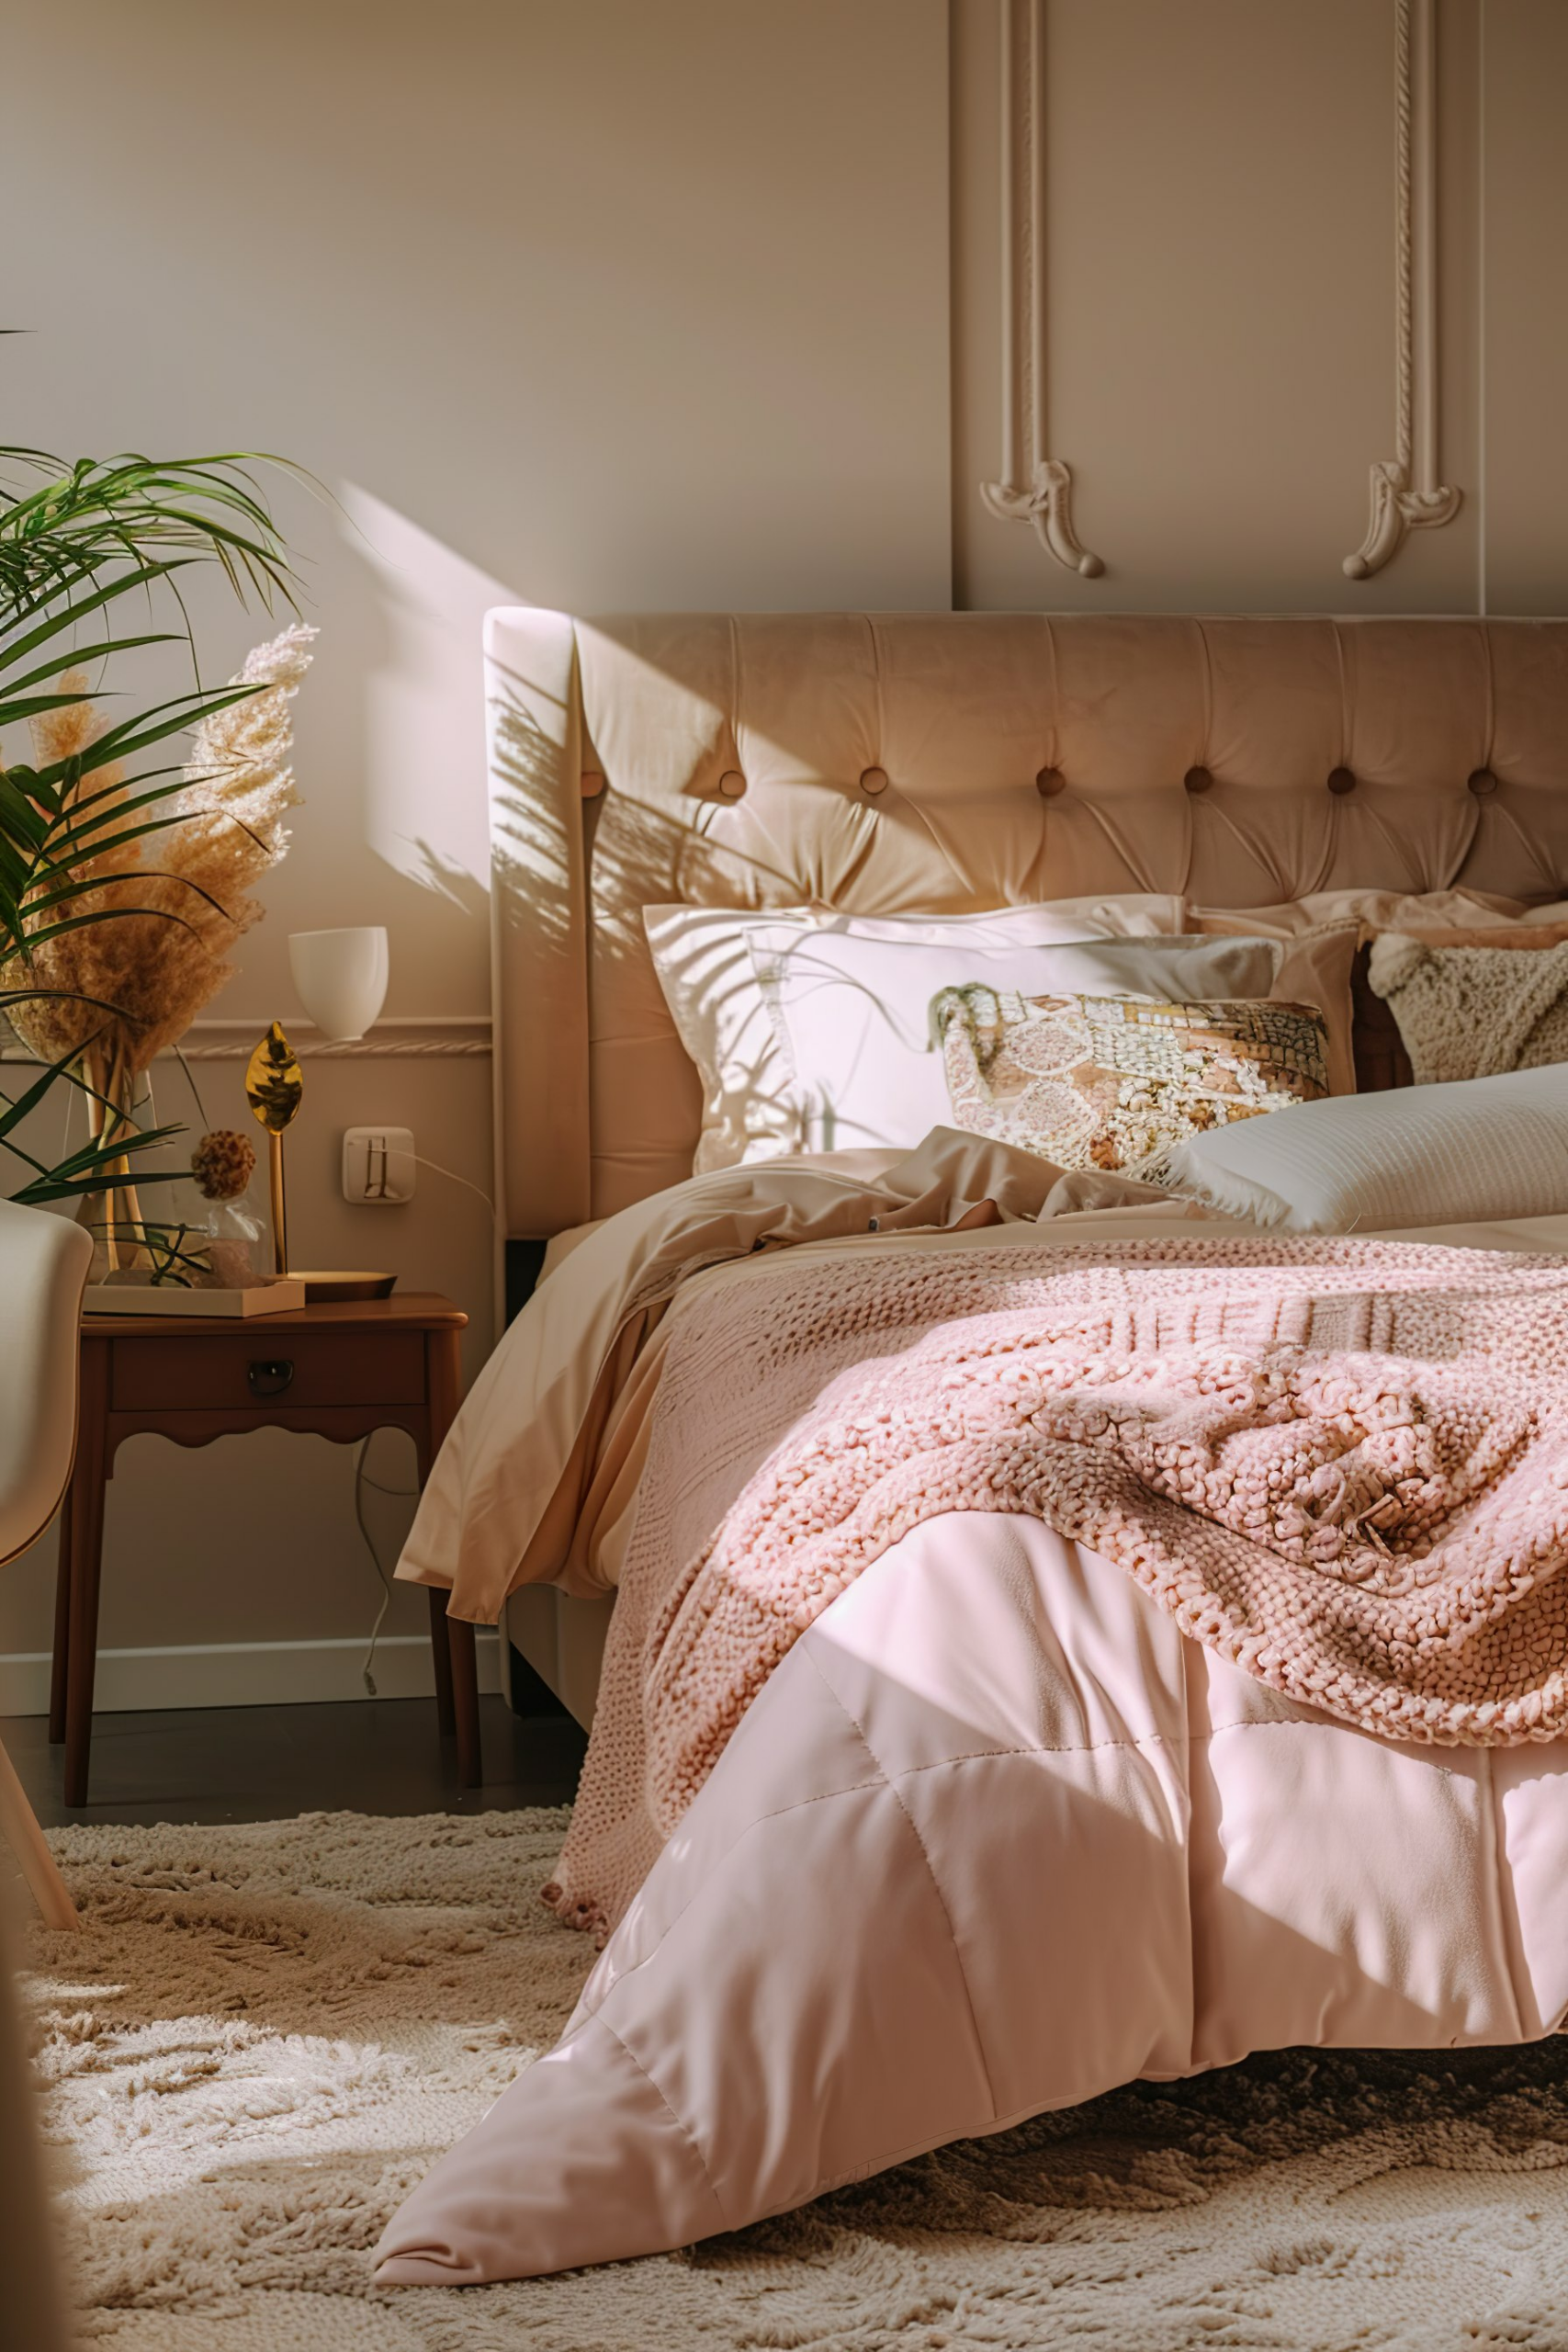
column 275, row 1088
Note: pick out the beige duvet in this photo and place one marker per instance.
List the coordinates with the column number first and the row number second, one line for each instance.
column 537, row 1480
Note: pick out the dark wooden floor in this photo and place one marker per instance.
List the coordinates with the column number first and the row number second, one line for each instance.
column 269, row 1763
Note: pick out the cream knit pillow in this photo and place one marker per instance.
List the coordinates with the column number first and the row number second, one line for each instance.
column 1471, row 1011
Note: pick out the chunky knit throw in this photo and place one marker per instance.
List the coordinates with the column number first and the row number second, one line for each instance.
column 1342, row 1464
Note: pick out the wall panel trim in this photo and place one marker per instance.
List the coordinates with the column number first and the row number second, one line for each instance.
column 401, row 1038
column 1406, row 493
column 1031, row 487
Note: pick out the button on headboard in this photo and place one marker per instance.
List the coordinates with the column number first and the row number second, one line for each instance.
column 889, row 764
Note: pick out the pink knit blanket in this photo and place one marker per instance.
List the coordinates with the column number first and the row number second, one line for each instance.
column 1342, row 1464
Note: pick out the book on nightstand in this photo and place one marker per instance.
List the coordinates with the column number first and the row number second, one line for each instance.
column 168, row 1299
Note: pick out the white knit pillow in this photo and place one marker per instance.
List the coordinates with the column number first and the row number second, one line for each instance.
column 1449, row 1154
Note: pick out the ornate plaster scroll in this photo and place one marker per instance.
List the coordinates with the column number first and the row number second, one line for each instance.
column 1033, row 488
column 1406, row 493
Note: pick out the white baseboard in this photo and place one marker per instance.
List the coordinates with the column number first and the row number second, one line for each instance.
column 242, row 1673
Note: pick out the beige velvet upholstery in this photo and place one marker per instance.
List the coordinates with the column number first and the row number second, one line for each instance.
column 44, row 1261
column 951, row 762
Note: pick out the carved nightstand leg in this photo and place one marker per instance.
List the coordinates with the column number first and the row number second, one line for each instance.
column 456, row 1664
column 466, row 1701
column 87, row 1554
column 441, row 1654
column 61, row 1626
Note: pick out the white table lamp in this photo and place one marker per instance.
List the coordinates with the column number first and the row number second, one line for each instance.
column 341, row 978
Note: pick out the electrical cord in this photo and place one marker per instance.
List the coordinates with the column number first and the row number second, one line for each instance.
column 360, row 1482
column 377, row 1487
column 453, row 1178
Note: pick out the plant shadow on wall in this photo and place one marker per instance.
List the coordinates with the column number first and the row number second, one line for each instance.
column 122, row 877
column 801, row 832
column 414, row 609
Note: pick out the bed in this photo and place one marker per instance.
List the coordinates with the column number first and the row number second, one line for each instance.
column 998, row 1814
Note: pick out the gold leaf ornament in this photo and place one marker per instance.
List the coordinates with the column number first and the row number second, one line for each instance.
column 273, row 1081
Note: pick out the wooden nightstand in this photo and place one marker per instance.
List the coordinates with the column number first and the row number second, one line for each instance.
column 337, row 1371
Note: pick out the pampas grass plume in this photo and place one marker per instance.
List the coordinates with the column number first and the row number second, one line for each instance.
column 185, row 892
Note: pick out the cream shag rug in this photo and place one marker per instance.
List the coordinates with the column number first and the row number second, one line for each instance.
column 267, row 2032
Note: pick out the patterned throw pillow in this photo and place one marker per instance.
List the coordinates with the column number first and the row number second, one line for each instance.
column 1100, row 1082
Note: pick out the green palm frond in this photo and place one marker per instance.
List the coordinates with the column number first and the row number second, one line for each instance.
column 93, row 1167
column 81, row 519
column 75, row 539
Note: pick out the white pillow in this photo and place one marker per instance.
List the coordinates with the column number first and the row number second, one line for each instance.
column 1451, row 1154
column 702, row 959
column 854, row 1014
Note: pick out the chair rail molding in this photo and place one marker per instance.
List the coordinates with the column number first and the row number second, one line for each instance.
column 408, row 1037
column 1033, row 488
column 397, row 1038
column 1406, row 493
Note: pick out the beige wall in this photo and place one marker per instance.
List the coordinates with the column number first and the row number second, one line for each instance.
column 1525, row 445
column 598, row 304
column 1220, row 310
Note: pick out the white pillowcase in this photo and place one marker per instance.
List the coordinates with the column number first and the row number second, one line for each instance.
column 701, row 955
column 1451, row 1154
column 852, row 1015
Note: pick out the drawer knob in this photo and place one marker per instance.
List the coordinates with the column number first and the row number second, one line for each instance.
column 269, row 1375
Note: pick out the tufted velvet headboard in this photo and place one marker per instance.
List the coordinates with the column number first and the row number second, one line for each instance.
column 890, row 765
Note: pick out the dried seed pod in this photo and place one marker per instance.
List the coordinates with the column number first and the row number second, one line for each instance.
column 222, row 1164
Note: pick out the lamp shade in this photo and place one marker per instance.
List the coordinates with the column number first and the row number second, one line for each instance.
column 341, row 978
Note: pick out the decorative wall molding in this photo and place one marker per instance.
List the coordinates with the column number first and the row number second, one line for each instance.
column 422, row 1037
column 1033, row 487
column 1406, row 493
column 417, row 1038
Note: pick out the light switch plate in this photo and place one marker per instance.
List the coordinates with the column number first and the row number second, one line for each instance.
column 377, row 1166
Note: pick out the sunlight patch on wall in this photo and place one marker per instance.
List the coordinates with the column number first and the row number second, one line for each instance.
column 424, row 734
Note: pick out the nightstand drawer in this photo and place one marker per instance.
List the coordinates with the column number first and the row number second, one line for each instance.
column 285, row 1369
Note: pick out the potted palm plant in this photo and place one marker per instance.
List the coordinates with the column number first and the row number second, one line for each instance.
column 121, row 875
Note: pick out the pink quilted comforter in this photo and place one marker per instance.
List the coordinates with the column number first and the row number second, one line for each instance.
column 1009, row 1646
